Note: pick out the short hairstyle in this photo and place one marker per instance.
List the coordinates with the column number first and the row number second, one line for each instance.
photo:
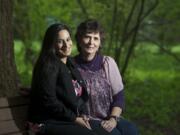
column 88, row 26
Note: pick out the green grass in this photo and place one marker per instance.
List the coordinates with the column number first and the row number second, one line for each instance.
column 152, row 91
column 176, row 49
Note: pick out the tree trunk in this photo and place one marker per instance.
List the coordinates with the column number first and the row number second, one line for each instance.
column 113, row 23
column 8, row 72
column 118, row 50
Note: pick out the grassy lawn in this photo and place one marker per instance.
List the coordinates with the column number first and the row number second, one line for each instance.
column 152, row 91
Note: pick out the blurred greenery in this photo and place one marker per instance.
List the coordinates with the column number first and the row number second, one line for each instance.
column 152, row 91
column 153, row 73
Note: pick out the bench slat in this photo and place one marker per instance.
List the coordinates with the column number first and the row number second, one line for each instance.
column 9, row 127
column 13, row 115
column 13, row 101
column 19, row 112
column 17, row 133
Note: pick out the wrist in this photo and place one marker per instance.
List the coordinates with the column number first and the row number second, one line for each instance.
column 116, row 118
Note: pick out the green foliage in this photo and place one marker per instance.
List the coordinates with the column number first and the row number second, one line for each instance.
column 33, row 17
column 166, row 22
column 152, row 91
column 24, row 70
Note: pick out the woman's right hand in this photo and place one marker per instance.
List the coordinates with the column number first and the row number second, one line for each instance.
column 82, row 122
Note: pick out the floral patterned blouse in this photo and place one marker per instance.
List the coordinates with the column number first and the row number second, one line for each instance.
column 104, row 85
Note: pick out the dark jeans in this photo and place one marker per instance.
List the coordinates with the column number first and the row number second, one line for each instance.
column 124, row 127
column 52, row 127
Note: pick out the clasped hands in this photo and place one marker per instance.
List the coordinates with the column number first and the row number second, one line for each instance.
column 109, row 124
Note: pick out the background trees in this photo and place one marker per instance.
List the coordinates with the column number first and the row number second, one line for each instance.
column 125, row 23
column 142, row 36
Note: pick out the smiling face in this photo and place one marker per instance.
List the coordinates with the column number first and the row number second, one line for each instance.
column 63, row 44
column 90, row 44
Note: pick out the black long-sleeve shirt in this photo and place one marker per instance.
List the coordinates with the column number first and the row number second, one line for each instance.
column 53, row 96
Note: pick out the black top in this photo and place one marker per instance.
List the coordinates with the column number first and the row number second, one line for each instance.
column 52, row 93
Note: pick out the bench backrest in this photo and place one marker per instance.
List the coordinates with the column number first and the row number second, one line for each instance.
column 13, row 115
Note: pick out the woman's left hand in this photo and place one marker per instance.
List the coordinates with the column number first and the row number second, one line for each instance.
column 109, row 125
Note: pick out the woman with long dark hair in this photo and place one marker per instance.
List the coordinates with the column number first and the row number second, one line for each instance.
column 58, row 93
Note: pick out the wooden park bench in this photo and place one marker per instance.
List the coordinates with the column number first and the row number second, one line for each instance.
column 13, row 115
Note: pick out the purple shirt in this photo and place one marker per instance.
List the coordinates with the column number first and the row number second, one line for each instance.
column 102, row 68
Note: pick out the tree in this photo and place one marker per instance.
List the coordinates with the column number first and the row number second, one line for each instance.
column 8, row 73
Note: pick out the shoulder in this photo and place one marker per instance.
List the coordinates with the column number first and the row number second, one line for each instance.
column 47, row 67
column 108, row 60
